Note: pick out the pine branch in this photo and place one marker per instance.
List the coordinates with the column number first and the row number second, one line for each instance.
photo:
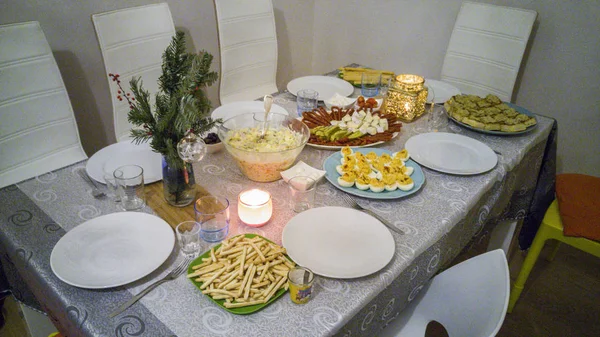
column 175, row 63
column 180, row 106
column 140, row 112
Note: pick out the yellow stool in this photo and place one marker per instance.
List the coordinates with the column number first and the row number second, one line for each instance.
column 551, row 228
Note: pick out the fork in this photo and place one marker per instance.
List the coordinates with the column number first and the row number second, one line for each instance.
column 352, row 203
column 173, row 274
column 96, row 193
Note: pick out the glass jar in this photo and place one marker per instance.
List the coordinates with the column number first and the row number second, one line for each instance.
column 179, row 184
column 406, row 97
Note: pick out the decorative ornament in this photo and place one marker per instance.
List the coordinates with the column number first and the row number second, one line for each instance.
column 191, row 148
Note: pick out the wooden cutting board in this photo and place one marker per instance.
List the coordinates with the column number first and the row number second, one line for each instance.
column 171, row 214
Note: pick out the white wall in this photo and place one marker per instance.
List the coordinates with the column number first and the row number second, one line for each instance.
column 559, row 79
column 70, row 32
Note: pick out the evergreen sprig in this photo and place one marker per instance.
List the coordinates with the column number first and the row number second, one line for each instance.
column 180, row 106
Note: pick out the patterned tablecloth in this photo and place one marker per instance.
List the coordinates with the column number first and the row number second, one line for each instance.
column 439, row 221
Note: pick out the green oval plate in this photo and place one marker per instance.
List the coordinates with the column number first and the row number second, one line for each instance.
column 242, row 310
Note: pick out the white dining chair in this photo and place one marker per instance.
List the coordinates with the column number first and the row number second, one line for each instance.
column 248, row 48
column 38, row 131
column 132, row 42
column 469, row 299
column 486, row 49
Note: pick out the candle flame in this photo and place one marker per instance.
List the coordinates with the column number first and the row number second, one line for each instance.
column 255, row 197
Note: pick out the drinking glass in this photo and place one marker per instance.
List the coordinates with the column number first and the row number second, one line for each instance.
column 370, row 83
column 307, row 100
column 437, row 120
column 188, row 236
column 212, row 213
column 385, row 85
column 300, row 281
column 302, row 193
column 130, row 187
column 111, row 186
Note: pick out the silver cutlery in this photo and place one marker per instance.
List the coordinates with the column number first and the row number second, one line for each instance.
column 95, row 191
column 352, row 203
column 173, row 274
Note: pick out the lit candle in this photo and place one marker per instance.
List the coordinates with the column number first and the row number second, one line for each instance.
column 406, row 97
column 255, row 207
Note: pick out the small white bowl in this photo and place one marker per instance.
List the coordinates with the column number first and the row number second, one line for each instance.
column 212, row 148
column 302, row 169
column 216, row 147
column 340, row 101
column 379, row 102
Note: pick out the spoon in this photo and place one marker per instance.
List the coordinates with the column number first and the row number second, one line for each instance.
column 268, row 99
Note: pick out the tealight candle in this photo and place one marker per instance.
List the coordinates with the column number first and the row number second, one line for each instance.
column 255, row 207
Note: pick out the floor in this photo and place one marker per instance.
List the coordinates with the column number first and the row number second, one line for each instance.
column 561, row 298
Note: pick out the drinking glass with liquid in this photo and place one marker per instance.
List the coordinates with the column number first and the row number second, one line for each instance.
column 212, row 214
column 370, row 83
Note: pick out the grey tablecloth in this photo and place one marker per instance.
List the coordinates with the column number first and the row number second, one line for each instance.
column 439, row 221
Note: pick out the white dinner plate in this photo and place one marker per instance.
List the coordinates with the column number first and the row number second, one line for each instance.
column 125, row 153
column 441, row 92
column 112, row 250
column 326, row 86
column 233, row 109
column 451, row 153
column 338, row 242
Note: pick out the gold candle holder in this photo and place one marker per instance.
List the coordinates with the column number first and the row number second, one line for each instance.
column 406, row 97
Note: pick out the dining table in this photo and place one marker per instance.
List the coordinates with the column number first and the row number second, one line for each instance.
column 447, row 214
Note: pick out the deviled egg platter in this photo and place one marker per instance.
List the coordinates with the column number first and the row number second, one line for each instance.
column 377, row 173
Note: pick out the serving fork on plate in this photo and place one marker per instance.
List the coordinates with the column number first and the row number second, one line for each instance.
column 173, row 274
column 352, row 203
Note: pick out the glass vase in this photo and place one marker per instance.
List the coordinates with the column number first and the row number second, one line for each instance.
column 179, row 184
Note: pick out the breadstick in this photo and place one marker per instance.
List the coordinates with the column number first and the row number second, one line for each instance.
column 249, row 283
column 237, row 305
column 272, row 292
column 207, row 283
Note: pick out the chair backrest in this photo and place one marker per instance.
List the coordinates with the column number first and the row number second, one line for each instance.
column 469, row 299
column 248, row 47
column 132, row 42
column 486, row 49
column 38, row 131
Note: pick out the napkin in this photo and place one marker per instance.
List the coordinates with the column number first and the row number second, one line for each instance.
column 302, row 169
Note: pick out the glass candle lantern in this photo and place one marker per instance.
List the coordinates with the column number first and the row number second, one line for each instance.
column 255, row 207
column 406, row 97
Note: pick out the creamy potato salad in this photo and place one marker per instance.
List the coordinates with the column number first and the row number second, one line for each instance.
column 275, row 140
